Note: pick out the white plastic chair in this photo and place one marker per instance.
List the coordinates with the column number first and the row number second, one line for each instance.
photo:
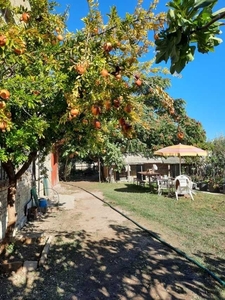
column 164, row 184
column 183, row 186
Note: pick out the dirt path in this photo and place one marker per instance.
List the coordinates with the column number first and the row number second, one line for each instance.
column 98, row 254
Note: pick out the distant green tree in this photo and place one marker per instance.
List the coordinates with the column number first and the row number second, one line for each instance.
column 216, row 158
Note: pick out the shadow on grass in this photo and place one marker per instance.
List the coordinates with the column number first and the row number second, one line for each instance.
column 131, row 265
column 216, row 265
column 133, row 188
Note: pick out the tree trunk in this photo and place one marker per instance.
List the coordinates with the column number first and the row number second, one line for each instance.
column 11, row 207
column 11, row 198
column 102, row 175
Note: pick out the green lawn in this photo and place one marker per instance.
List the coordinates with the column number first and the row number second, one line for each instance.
column 195, row 227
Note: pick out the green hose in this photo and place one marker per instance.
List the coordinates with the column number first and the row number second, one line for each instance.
column 181, row 253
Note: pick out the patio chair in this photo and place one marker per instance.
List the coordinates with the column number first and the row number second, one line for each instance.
column 164, row 184
column 183, row 186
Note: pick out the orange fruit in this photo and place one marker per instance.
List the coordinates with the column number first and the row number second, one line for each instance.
column 116, row 103
column 19, row 51
column 118, row 76
column 128, row 108
column 3, row 40
column 95, row 30
column 3, row 125
column 96, row 110
column 81, row 69
column 60, row 37
column 74, row 112
column 4, row 94
column 25, row 17
column 2, row 104
column 104, row 73
column 138, row 82
column 107, row 47
column 180, row 135
column 97, row 124
column 122, row 121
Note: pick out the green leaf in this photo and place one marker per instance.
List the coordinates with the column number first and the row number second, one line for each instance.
column 203, row 3
column 220, row 11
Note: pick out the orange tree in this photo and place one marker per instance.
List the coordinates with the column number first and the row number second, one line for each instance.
column 160, row 125
column 31, row 89
column 57, row 86
column 191, row 24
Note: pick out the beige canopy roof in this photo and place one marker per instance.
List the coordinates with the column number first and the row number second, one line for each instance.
column 139, row 160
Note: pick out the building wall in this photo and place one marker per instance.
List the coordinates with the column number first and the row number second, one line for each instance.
column 3, row 207
column 23, row 195
column 24, row 3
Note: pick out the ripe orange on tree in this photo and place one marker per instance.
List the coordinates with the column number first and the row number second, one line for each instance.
column 19, row 51
column 60, row 37
column 104, row 73
column 127, row 127
column 116, row 103
column 108, row 46
column 2, row 104
column 3, row 40
column 128, row 108
column 180, row 135
column 4, row 94
column 25, row 17
column 96, row 110
column 3, row 125
column 74, row 112
column 118, row 76
column 138, row 82
column 81, row 69
column 122, row 121
column 97, row 124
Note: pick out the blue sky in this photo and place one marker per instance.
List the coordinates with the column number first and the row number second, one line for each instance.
column 202, row 82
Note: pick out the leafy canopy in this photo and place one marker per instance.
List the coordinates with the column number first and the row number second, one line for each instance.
column 191, row 24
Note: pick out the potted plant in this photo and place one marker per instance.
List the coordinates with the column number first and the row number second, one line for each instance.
column 203, row 185
column 214, row 185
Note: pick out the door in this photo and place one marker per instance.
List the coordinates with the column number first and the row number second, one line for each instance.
column 54, row 165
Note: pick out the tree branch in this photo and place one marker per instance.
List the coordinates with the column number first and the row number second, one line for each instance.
column 216, row 18
column 31, row 157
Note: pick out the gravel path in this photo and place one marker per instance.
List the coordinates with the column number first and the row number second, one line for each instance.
column 98, row 254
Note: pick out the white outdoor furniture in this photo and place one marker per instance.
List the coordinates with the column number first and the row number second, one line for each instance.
column 165, row 184
column 183, row 186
